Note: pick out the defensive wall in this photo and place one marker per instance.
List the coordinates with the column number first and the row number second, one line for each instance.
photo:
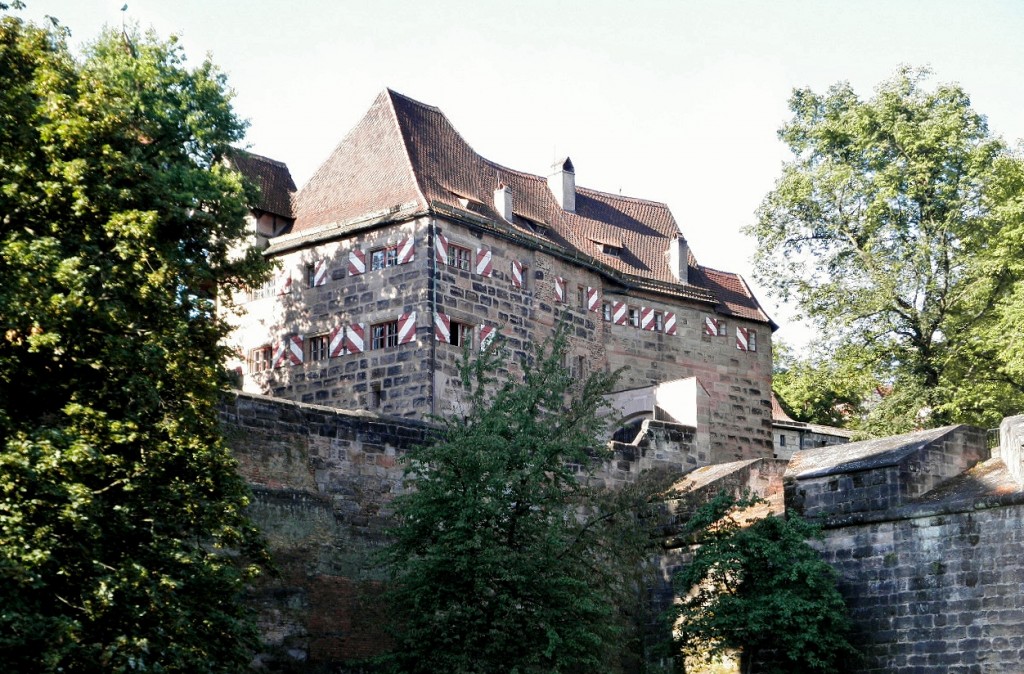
column 926, row 531
column 323, row 480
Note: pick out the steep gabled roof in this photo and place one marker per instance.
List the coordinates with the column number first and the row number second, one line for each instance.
column 272, row 177
column 406, row 156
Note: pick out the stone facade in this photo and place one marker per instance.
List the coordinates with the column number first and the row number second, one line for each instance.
column 388, row 274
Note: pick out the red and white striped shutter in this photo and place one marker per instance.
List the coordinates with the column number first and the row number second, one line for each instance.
column 559, row 289
column 483, row 262
column 355, row 338
column 619, row 313
column 710, row 326
column 442, row 327
column 284, row 282
column 487, row 335
column 441, row 249
column 517, row 274
column 593, row 299
column 406, row 251
column 742, row 338
column 280, row 353
column 320, row 273
column 356, row 262
column 646, row 318
column 407, row 328
column 295, row 350
column 336, row 343
column 670, row 323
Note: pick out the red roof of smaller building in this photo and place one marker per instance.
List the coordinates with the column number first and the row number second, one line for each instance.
column 273, row 179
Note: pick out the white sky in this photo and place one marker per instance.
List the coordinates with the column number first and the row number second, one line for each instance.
column 676, row 101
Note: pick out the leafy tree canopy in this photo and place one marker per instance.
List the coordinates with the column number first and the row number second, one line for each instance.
column 896, row 229
column 819, row 388
column 761, row 589
column 123, row 543
column 505, row 559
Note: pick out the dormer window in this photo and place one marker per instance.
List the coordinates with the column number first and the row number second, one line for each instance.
column 608, row 246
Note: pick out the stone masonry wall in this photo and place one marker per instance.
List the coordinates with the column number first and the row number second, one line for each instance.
column 419, row 378
column 941, row 593
column 323, row 480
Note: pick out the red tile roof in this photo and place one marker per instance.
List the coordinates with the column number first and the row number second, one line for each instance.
column 406, row 155
column 272, row 177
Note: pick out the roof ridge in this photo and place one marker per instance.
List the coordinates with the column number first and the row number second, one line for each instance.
column 624, row 197
column 407, row 155
column 260, row 157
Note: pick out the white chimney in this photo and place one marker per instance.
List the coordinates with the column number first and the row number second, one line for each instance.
column 503, row 201
column 679, row 258
column 562, row 183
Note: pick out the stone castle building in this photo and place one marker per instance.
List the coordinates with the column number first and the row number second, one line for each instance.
column 406, row 246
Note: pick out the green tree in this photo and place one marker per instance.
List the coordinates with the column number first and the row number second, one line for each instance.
column 505, row 559
column 123, row 541
column 818, row 388
column 761, row 589
column 887, row 229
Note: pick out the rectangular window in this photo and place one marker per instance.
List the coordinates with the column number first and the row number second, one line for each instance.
column 606, row 311
column 268, row 289
column 259, row 359
column 782, row 441
column 310, row 275
column 659, row 321
column 459, row 257
column 461, row 334
column 581, row 297
column 383, row 335
column 634, row 317
column 751, row 341
column 318, row 347
column 722, row 332
column 376, row 395
column 381, row 258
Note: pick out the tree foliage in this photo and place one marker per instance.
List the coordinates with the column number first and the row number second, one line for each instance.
column 761, row 589
column 894, row 228
column 123, row 542
column 505, row 559
column 819, row 388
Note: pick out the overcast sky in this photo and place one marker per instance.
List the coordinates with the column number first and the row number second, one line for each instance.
column 675, row 101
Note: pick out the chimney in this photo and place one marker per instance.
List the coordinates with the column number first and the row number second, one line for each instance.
column 503, row 201
column 678, row 259
column 562, row 183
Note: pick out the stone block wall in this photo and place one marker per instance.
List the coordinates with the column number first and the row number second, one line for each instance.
column 939, row 593
column 316, row 292
column 877, row 475
column 323, row 480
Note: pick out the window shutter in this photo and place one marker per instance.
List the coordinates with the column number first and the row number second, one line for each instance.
column 406, row 251
column 356, row 262
column 441, row 249
column 336, row 344
column 483, row 262
column 443, row 327
column 284, row 282
column 517, row 274
column 487, row 335
column 742, row 339
column 407, row 328
column 559, row 289
column 355, row 336
column 619, row 313
column 670, row 323
column 320, row 273
column 593, row 299
column 710, row 326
